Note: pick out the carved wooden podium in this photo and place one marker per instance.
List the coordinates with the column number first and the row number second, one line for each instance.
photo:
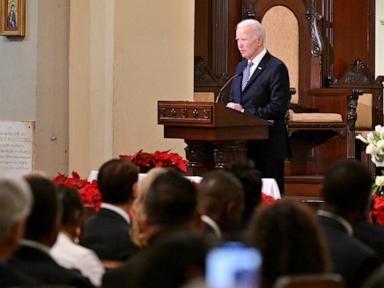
column 215, row 135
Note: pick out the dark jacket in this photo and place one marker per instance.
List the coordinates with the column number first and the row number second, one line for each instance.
column 107, row 233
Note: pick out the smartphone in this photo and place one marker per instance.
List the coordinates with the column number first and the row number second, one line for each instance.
column 233, row 265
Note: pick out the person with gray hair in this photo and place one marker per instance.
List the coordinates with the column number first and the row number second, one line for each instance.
column 262, row 89
column 15, row 205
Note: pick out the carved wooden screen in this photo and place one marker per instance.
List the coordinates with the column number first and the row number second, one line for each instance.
column 309, row 40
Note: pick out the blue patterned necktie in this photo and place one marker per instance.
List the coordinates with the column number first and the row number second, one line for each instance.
column 246, row 75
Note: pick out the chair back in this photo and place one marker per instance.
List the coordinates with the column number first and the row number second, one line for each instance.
column 310, row 281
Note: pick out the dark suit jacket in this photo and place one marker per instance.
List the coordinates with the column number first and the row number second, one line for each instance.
column 107, row 233
column 371, row 235
column 351, row 258
column 10, row 277
column 42, row 267
column 266, row 96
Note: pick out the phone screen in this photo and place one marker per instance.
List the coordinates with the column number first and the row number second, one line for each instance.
column 233, row 265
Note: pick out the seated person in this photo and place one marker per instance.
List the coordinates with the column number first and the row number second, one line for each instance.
column 252, row 183
column 136, row 232
column 15, row 205
column 221, row 204
column 346, row 194
column 290, row 241
column 66, row 251
column 107, row 232
column 41, row 231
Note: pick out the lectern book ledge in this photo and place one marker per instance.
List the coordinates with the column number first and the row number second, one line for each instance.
column 188, row 113
column 209, row 121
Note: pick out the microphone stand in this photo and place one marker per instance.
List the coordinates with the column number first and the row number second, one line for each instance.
column 218, row 97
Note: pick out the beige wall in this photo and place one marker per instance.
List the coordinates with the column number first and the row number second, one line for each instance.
column 124, row 56
column 52, row 86
column 34, row 81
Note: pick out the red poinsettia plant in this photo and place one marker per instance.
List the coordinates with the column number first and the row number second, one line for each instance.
column 376, row 214
column 88, row 191
column 146, row 161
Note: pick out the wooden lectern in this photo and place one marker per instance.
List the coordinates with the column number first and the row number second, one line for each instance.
column 215, row 135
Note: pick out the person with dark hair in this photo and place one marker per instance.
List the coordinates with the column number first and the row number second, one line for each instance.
column 107, row 232
column 41, row 231
column 346, row 193
column 15, row 205
column 252, row 183
column 169, row 207
column 290, row 241
column 66, row 251
column 221, row 203
column 175, row 260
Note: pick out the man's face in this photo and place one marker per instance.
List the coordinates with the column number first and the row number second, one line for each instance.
column 248, row 43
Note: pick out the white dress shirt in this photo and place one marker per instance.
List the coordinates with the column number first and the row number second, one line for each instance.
column 256, row 61
column 117, row 210
column 73, row 256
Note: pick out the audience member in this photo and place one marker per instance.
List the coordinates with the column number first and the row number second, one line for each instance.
column 107, row 232
column 169, row 207
column 41, row 231
column 290, row 240
column 173, row 261
column 370, row 234
column 346, row 193
column 251, row 181
column 66, row 251
column 136, row 232
column 15, row 204
column 221, row 203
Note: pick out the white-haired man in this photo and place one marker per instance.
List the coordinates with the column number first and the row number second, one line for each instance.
column 262, row 90
column 15, row 205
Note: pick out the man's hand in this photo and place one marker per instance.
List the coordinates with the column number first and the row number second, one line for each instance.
column 235, row 106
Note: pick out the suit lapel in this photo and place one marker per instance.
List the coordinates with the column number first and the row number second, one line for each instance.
column 259, row 69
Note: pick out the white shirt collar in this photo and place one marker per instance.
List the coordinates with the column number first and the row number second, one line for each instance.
column 116, row 209
column 338, row 218
column 256, row 61
column 209, row 221
column 36, row 245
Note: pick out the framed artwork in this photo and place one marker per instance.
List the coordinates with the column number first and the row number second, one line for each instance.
column 12, row 17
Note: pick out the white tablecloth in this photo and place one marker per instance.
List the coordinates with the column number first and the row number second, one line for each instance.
column 269, row 184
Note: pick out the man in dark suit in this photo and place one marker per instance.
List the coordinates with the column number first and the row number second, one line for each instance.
column 107, row 232
column 32, row 257
column 262, row 89
column 346, row 192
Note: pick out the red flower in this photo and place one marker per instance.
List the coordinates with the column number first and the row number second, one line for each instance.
column 146, row 161
column 376, row 215
column 265, row 199
column 91, row 195
column 88, row 192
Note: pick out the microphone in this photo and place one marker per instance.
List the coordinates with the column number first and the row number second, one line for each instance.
column 218, row 97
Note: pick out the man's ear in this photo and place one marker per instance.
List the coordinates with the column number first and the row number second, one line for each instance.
column 16, row 233
column 134, row 191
